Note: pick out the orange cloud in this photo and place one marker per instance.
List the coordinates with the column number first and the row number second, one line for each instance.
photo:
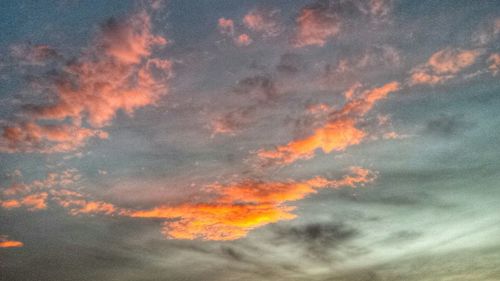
column 78, row 203
column 237, row 208
column 443, row 65
column 338, row 133
column 6, row 243
column 117, row 73
column 315, row 25
column 35, row 195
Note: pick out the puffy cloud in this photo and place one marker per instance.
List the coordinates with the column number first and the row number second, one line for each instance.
column 226, row 26
column 338, row 133
column 243, row 40
column 444, row 65
column 262, row 21
column 5, row 242
column 117, row 73
column 316, row 23
column 234, row 209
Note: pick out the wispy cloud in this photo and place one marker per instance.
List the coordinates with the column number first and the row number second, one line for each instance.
column 323, row 20
column 338, row 133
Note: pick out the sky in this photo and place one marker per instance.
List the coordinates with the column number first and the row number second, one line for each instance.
column 311, row 140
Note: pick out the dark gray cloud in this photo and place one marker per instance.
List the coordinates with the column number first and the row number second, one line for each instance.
column 290, row 64
column 262, row 88
column 316, row 239
column 447, row 125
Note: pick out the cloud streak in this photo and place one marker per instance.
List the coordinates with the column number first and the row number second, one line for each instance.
column 339, row 132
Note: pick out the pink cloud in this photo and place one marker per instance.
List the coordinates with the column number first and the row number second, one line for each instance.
column 226, row 26
column 315, row 25
column 444, row 65
column 262, row 21
column 243, row 40
column 117, row 73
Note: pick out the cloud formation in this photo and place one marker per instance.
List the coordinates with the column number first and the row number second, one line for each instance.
column 55, row 188
column 338, row 133
column 5, row 242
column 263, row 21
column 116, row 73
column 322, row 20
column 444, row 65
column 494, row 66
column 234, row 209
column 316, row 23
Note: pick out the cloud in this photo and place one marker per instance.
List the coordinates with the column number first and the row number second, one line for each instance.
column 337, row 134
column 257, row 90
column 446, row 125
column 116, row 73
column 290, row 64
column 444, row 65
column 34, row 54
column 243, row 40
column 323, row 20
column 263, row 21
column 494, row 61
column 5, row 242
column 316, row 239
column 316, row 23
column 232, row 122
column 225, row 26
column 232, row 210
column 36, row 195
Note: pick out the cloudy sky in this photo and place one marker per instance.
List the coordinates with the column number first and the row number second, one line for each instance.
column 311, row 140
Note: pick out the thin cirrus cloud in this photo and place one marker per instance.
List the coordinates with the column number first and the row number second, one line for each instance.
column 236, row 208
column 338, row 133
column 5, row 242
column 116, row 73
column 444, row 65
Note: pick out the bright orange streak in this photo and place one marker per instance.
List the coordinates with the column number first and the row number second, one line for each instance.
column 240, row 207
